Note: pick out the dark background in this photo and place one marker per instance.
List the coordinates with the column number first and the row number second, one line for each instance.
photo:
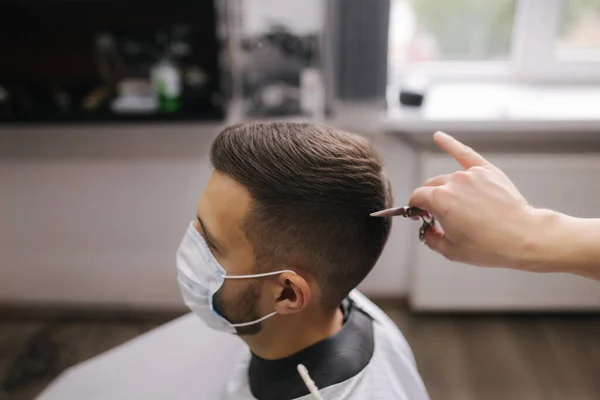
column 49, row 45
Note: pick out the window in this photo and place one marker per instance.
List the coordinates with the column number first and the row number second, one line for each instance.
column 433, row 30
column 532, row 40
column 580, row 31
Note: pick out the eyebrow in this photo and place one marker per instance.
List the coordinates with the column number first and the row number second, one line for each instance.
column 207, row 234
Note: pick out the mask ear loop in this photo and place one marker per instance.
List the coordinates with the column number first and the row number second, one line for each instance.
column 259, row 275
column 255, row 321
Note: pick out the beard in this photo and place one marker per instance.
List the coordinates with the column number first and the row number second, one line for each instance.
column 242, row 309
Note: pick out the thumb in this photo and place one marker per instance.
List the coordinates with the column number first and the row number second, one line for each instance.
column 422, row 198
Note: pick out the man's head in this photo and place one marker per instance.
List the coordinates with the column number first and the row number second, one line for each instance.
column 297, row 197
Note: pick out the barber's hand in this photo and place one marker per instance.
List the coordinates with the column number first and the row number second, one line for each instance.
column 484, row 219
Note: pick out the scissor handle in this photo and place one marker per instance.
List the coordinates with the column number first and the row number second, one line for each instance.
column 409, row 212
column 428, row 222
column 414, row 212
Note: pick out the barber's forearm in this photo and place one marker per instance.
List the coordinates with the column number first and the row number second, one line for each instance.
column 561, row 243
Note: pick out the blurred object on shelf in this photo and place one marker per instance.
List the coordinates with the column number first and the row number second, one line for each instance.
column 281, row 66
column 134, row 96
column 413, row 90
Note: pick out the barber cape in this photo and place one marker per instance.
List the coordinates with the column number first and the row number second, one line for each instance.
column 186, row 360
column 367, row 359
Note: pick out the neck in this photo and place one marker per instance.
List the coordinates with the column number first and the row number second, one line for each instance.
column 294, row 335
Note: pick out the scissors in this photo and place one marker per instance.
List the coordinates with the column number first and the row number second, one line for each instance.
column 409, row 212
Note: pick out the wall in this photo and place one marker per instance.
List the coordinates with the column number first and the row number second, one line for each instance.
column 93, row 216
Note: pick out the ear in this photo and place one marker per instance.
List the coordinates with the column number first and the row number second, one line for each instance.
column 293, row 294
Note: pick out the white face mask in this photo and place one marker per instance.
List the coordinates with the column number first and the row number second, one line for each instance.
column 200, row 276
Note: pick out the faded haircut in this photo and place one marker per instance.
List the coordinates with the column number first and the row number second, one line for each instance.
column 312, row 190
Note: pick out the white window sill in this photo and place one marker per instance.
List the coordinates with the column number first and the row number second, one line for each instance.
column 498, row 108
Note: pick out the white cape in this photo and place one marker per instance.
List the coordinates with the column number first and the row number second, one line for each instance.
column 184, row 359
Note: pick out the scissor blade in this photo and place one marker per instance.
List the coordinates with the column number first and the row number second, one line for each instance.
column 390, row 212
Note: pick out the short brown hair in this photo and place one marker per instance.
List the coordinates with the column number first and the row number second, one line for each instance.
column 313, row 188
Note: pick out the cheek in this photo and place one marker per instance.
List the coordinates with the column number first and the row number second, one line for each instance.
column 232, row 289
column 237, row 261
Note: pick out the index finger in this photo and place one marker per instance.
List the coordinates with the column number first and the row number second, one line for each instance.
column 466, row 156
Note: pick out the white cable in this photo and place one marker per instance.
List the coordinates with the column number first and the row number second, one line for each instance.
column 310, row 384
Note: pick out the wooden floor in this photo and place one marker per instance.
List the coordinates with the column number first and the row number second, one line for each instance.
column 459, row 357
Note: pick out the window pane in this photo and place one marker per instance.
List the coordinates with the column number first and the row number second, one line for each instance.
column 457, row 30
column 581, row 26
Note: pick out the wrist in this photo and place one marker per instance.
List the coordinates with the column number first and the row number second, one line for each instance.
column 542, row 243
column 561, row 243
column 556, row 242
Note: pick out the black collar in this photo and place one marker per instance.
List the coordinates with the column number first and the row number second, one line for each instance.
column 330, row 361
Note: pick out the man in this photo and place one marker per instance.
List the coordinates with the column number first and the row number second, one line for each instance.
column 282, row 237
